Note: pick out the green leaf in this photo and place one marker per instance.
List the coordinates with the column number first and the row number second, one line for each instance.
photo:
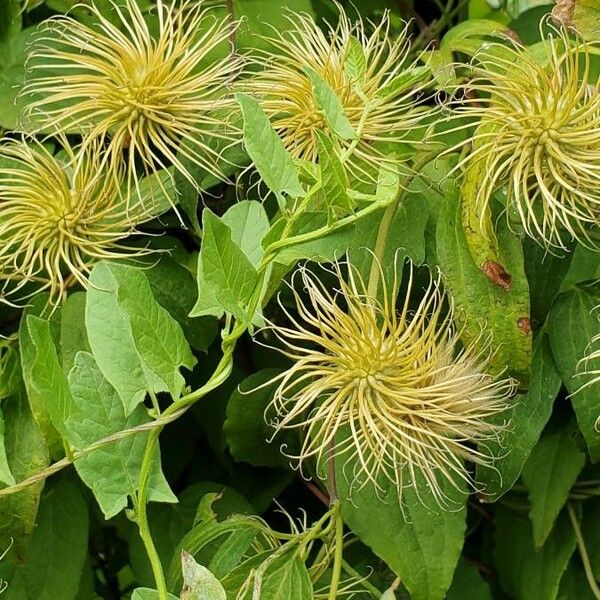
column 405, row 81
column 545, row 274
column 176, row 290
column 420, row 544
column 285, row 578
column 478, row 301
column 355, row 61
column 112, row 471
column 246, row 429
column 572, row 323
column 6, row 476
column 226, row 277
column 149, row 594
column 73, row 335
column 138, row 346
column 47, row 378
column 13, row 53
column 334, row 182
column 249, row 224
column 58, row 549
column 27, row 454
column 529, row 414
column 28, row 358
column 273, row 162
column 198, row 582
column 467, row 583
column 525, row 572
column 550, row 473
column 328, row 102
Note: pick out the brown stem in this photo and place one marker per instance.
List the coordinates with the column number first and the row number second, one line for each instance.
column 231, row 12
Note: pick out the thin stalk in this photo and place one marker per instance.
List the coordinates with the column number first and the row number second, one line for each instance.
column 386, row 223
column 337, row 557
column 589, row 573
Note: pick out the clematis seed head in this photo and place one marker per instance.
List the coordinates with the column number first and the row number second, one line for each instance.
column 389, row 391
column 154, row 99
column 58, row 215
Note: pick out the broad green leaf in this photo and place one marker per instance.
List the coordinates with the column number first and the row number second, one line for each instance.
column 27, row 454
column 112, row 471
column 221, row 546
column 10, row 19
column 149, row 594
column 138, row 346
column 226, row 277
column 355, row 61
column 176, row 290
column 47, row 378
column 246, row 429
column 273, row 162
column 58, row 549
column 420, row 544
column 478, row 301
column 460, row 37
column 249, row 224
column 582, row 15
column 334, row 182
column 198, row 582
column 526, row 573
column 545, row 274
column 6, row 476
column 572, row 323
column 468, row 583
column 529, row 414
column 13, row 53
column 73, row 335
column 328, row 102
column 285, row 578
column 549, row 474
column 28, row 353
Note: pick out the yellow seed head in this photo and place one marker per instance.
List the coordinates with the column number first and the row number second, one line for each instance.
column 379, row 106
column 539, row 136
column 154, row 99
column 389, row 390
column 58, row 214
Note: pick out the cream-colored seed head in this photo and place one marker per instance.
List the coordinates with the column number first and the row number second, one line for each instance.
column 380, row 105
column 389, row 390
column 58, row 215
column 154, row 99
column 539, row 136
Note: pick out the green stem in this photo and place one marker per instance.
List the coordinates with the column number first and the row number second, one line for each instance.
column 589, row 573
column 386, row 222
column 142, row 516
column 337, row 557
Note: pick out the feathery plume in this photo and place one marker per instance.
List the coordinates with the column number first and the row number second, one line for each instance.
column 379, row 88
column 388, row 390
column 58, row 214
column 538, row 136
column 154, row 100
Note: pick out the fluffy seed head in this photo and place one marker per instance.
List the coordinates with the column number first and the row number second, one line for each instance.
column 154, row 99
column 368, row 72
column 539, row 136
column 58, row 214
column 388, row 390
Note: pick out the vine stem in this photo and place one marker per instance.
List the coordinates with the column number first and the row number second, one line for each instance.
column 386, row 222
column 589, row 573
column 338, row 554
